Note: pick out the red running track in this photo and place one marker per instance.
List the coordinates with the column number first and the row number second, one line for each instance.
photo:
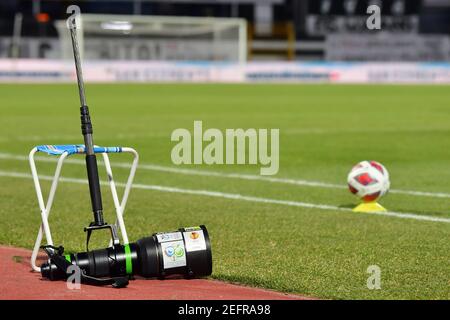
column 17, row 281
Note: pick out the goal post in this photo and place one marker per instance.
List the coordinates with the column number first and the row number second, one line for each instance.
column 134, row 37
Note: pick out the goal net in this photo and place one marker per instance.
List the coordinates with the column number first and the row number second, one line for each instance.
column 132, row 37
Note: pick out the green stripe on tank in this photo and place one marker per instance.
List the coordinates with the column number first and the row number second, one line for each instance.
column 67, row 256
column 128, row 263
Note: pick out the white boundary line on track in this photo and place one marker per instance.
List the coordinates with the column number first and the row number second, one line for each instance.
column 234, row 196
column 209, row 173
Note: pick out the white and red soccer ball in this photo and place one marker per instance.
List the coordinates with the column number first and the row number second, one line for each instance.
column 368, row 180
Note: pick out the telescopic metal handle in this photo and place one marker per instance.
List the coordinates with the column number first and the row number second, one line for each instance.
column 86, row 128
column 76, row 55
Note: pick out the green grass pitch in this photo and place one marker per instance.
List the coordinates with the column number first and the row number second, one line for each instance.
column 324, row 130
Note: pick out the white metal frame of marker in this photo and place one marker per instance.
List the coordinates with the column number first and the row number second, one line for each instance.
column 62, row 152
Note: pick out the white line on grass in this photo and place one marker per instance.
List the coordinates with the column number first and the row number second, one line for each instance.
column 76, row 137
column 234, row 196
column 210, row 173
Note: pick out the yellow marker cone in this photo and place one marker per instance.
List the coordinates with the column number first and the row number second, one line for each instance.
column 369, row 207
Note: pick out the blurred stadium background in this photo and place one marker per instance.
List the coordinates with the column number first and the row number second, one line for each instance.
column 236, row 40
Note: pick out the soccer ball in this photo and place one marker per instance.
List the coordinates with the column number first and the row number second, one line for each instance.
column 368, row 180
